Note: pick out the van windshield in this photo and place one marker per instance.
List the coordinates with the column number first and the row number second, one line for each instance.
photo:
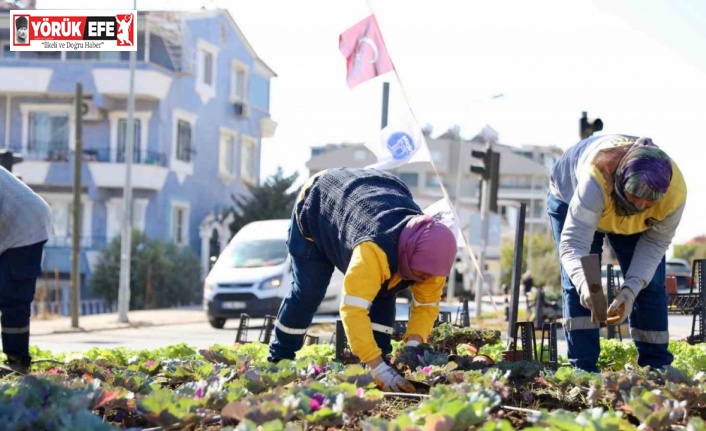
column 256, row 253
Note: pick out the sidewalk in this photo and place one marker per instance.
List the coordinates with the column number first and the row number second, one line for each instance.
column 108, row 321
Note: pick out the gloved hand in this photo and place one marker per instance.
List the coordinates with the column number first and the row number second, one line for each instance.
column 411, row 343
column 621, row 307
column 585, row 296
column 390, row 380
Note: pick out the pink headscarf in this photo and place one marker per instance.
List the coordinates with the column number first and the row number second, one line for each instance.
column 425, row 245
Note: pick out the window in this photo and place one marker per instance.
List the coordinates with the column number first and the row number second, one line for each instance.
column 228, row 155
column 48, row 136
column 184, row 141
column 63, row 219
column 238, row 82
column 6, row 53
column 180, row 223
column 122, row 140
column 118, row 136
column 437, row 156
column 114, row 209
column 183, row 146
column 93, row 55
column 207, row 55
column 433, row 180
column 207, row 65
column 410, row 178
column 248, row 159
column 39, row 55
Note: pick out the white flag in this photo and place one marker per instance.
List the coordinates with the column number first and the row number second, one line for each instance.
column 443, row 211
column 402, row 141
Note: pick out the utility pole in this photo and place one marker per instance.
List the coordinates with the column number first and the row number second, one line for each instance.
column 126, row 239
column 490, row 173
column 484, row 216
column 77, row 225
column 385, row 103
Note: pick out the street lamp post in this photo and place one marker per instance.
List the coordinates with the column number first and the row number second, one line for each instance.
column 126, row 234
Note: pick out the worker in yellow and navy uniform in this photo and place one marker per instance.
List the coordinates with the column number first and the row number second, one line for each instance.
column 630, row 190
column 365, row 223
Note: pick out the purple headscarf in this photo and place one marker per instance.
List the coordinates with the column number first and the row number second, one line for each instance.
column 425, row 245
column 645, row 172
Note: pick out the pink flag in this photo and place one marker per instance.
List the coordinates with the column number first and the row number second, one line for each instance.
column 365, row 51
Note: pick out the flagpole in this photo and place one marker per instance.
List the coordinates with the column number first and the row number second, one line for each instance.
column 385, row 103
column 441, row 183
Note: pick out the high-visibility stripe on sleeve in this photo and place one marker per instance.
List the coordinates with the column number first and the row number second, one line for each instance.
column 356, row 301
column 382, row 328
column 290, row 331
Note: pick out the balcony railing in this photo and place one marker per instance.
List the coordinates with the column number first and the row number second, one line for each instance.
column 109, row 155
column 105, row 155
column 85, row 242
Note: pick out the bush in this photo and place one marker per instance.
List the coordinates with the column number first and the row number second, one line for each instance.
column 161, row 274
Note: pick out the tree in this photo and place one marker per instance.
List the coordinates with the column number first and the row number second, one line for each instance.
column 545, row 261
column 268, row 201
column 695, row 249
column 161, row 274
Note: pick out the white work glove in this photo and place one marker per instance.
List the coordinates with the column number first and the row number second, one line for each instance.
column 585, row 296
column 411, row 343
column 621, row 307
column 389, row 380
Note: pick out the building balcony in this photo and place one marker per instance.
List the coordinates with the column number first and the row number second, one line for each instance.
column 107, row 166
column 85, row 242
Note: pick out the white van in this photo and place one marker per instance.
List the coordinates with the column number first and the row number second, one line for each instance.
column 254, row 273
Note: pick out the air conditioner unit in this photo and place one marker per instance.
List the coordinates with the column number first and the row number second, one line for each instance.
column 241, row 109
column 90, row 111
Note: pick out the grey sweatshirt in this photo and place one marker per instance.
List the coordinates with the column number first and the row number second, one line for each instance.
column 25, row 218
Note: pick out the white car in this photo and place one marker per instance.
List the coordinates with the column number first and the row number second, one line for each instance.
column 254, row 273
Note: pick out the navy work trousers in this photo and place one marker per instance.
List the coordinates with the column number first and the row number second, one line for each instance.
column 19, row 269
column 311, row 274
column 648, row 321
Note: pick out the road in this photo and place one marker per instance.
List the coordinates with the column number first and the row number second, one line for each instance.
column 202, row 335
column 199, row 335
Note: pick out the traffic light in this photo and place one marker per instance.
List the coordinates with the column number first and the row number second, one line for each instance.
column 587, row 128
column 484, row 170
column 8, row 158
column 489, row 171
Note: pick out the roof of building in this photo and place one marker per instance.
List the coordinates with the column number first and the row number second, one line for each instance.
column 334, row 154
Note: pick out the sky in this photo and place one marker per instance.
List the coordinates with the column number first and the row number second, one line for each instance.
column 638, row 65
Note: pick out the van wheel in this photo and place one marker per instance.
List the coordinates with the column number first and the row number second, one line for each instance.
column 216, row 322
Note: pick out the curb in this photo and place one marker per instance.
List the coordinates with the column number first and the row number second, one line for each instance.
column 51, row 329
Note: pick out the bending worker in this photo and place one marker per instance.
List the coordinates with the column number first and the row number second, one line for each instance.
column 365, row 223
column 26, row 222
column 630, row 190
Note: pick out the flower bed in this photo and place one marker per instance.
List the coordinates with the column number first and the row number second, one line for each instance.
column 233, row 387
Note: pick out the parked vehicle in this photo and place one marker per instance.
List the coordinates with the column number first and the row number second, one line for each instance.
column 681, row 269
column 254, row 273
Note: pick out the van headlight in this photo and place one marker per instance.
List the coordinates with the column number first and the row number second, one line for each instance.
column 208, row 288
column 271, row 283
